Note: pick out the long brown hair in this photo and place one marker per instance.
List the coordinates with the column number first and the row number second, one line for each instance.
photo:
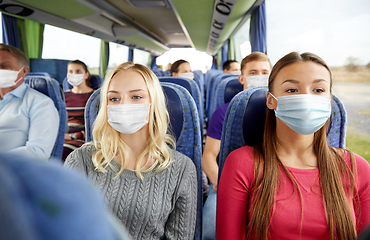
column 337, row 180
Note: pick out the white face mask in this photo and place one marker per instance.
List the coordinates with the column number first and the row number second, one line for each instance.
column 236, row 73
column 8, row 78
column 75, row 79
column 128, row 118
column 188, row 75
column 258, row 80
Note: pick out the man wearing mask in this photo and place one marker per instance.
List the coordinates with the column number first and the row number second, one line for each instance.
column 231, row 67
column 29, row 120
column 181, row 68
column 255, row 70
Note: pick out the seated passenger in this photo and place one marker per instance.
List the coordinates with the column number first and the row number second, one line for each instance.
column 255, row 69
column 294, row 185
column 28, row 119
column 150, row 187
column 231, row 67
column 79, row 77
column 181, row 68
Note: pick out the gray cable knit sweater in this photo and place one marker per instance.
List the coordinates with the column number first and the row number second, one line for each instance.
column 160, row 206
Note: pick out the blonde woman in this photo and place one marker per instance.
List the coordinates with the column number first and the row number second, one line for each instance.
column 294, row 185
column 150, row 187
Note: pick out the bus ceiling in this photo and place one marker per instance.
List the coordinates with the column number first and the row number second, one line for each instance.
column 151, row 25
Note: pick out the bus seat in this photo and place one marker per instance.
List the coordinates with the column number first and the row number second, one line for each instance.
column 193, row 89
column 45, row 74
column 41, row 201
column 51, row 88
column 158, row 72
column 189, row 141
column 225, row 91
column 199, row 79
column 56, row 68
column 247, row 112
column 91, row 111
column 212, row 86
column 95, row 81
column 184, row 126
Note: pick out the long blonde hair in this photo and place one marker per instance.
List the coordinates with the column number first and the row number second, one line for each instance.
column 337, row 179
column 108, row 142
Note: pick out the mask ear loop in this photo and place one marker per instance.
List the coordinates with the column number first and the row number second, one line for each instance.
column 17, row 81
column 275, row 99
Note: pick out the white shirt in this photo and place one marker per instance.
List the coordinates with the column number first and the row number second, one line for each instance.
column 29, row 122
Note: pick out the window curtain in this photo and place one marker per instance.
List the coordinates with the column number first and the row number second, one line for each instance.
column 258, row 29
column 131, row 55
column 104, row 58
column 31, row 37
column 225, row 52
column 214, row 63
column 10, row 31
column 231, row 55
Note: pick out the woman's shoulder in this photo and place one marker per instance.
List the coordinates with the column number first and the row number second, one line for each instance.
column 244, row 153
column 362, row 165
column 241, row 158
column 81, row 156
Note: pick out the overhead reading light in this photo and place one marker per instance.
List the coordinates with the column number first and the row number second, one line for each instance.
column 149, row 3
column 16, row 10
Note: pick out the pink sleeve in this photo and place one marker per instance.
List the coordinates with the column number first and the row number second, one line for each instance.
column 233, row 194
column 363, row 213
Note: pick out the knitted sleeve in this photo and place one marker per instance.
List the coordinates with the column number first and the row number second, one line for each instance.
column 181, row 222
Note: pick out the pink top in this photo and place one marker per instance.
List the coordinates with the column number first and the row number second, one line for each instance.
column 234, row 192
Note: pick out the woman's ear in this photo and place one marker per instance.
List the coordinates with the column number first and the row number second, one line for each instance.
column 271, row 102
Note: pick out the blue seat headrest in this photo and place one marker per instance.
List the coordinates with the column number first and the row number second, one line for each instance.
column 174, row 110
column 254, row 118
column 232, row 88
column 38, row 84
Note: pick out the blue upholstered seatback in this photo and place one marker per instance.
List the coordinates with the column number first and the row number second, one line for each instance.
column 189, row 140
column 193, row 89
column 95, row 81
column 199, row 79
column 51, row 88
column 225, row 91
column 209, row 79
column 184, row 125
column 245, row 119
column 56, row 68
column 91, row 111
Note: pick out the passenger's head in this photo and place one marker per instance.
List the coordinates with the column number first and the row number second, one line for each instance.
column 13, row 59
column 133, row 84
column 78, row 73
column 255, row 64
column 181, row 68
column 231, row 66
column 296, row 74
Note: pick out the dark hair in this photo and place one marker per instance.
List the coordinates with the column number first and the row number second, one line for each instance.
column 226, row 65
column 175, row 66
column 18, row 54
column 84, row 67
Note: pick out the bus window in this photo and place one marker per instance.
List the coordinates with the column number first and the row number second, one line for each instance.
column 242, row 43
column 117, row 54
column 64, row 44
column 141, row 57
column 198, row 60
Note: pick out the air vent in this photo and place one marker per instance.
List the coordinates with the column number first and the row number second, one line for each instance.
column 149, row 3
column 16, row 10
